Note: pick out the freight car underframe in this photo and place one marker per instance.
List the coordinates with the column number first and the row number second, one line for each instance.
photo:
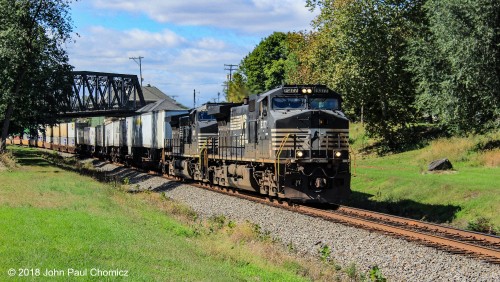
column 311, row 180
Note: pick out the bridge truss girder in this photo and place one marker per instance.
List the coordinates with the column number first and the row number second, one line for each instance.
column 98, row 93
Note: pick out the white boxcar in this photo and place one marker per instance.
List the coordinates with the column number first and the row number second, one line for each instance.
column 147, row 130
column 119, row 133
column 108, row 134
column 154, row 128
column 99, row 134
column 80, row 127
column 71, row 134
column 136, row 131
column 129, row 121
column 63, row 134
column 92, row 136
column 86, row 136
column 48, row 134
column 55, row 135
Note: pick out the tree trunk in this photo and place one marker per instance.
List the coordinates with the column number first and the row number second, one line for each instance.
column 5, row 127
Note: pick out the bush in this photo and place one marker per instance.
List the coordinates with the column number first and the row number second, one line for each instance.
column 8, row 160
column 482, row 225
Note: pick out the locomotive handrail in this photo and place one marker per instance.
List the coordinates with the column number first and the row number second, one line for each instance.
column 201, row 151
column 278, row 154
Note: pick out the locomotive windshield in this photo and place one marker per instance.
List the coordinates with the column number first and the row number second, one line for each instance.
column 204, row 116
column 285, row 103
column 324, row 103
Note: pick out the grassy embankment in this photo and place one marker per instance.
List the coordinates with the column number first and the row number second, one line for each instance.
column 400, row 184
column 55, row 219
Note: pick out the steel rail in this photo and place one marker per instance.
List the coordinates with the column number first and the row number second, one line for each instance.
column 492, row 240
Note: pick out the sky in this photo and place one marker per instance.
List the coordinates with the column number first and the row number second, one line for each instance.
column 185, row 44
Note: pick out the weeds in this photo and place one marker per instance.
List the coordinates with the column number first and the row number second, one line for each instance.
column 482, row 225
column 353, row 273
column 324, row 253
column 8, row 160
column 126, row 181
column 216, row 223
column 376, row 275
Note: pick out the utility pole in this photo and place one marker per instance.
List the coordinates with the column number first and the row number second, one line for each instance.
column 218, row 97
column 230, row 68
column 194, row 98
column 138, row 60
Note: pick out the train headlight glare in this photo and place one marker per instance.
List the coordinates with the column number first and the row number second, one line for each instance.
column 299, row 154
column 309, row 91
column 338, row 154
column 304, row 91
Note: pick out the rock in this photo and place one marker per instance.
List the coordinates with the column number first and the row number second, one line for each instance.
column 442, row 164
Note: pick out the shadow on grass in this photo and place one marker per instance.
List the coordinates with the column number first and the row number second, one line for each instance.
column 117, row 176
column 28, row 157
column 405, row 208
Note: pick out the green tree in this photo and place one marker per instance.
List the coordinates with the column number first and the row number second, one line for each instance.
column 237, row 90
column 362, row 56
column 264, row 67
column 34, row 66
column 456, row 62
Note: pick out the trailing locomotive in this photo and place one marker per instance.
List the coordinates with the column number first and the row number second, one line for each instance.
column 289, row 143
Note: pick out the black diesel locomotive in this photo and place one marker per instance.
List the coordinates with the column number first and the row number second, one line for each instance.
column 290, row 143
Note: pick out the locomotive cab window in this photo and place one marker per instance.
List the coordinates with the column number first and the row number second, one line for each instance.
column 204, row 116
column 324, row 103
column 287, row 103
column 263, row 107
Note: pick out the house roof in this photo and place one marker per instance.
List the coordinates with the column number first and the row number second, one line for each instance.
column 158, row 101
column 151, row 93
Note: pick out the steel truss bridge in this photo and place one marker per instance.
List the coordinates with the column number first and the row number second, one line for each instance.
column 103, row 94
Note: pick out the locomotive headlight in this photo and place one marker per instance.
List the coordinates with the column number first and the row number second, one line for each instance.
column 309, row 91
column 299, row 154
column 338, row 154
column 304, row 91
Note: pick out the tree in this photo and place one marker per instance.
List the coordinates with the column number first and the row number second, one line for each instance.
column 456, row 63
column 264, row 67
column 236, row 90
column 34, row 66
column 363, row 58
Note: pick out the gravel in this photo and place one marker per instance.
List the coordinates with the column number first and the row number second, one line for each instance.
column 397, row 259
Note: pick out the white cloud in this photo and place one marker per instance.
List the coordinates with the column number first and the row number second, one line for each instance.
column 256, row 16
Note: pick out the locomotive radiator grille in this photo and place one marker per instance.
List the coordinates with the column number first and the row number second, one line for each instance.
column 310, row 139
column 207, row 140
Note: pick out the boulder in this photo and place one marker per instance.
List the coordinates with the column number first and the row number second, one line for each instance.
column 442, row 164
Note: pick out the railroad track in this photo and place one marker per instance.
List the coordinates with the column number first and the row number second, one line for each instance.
column 456, row 241
column 449, row 239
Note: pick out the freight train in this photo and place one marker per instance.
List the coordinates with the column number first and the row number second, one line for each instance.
column 289, row 143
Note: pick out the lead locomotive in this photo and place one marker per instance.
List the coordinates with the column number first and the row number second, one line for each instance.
column 290, row 143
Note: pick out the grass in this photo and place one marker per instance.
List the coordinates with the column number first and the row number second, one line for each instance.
column 56, row 219
column 400, row 184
